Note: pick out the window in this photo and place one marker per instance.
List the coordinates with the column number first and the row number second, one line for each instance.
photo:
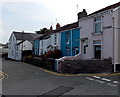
column 55, row 36
column 16, row 54
column 97, row 49
column 9, row 45
column 85, row 49
column 67, row 37
column 16, row 48
column 67, row 51
column 76, row 51
column 97, row 21
column 13, row 38
column 12, row 52
column 42, row 43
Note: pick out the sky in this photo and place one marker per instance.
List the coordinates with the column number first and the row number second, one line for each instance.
column 33, row 15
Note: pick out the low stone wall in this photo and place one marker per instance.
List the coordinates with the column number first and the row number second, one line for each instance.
column 86, row 66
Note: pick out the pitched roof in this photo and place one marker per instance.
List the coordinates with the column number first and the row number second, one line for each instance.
column 63, row 28
column 107, row 8
column 26, row 36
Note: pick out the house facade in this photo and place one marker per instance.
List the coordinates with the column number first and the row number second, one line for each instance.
column 36, row 47
column 100, row 34
column 55, row 40
column 44, row 43
column 18, row 42
column 22, row 46
column 70, row 40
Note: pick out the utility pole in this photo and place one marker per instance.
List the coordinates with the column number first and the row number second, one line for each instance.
column 22, row 45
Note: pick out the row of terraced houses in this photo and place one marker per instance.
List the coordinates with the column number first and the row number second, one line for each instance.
column 93, row 36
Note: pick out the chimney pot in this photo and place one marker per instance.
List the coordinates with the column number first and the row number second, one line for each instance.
column 57, row 25
column 51, row 28
column 82, row 14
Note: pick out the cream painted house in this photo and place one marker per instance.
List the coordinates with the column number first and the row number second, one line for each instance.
column 100, row 34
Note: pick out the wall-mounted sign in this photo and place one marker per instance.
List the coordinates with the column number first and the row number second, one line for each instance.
column 107, row 27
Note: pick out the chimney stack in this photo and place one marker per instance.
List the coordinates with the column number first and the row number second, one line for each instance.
column 51, row 28
column 57, row 25
column 82, row 14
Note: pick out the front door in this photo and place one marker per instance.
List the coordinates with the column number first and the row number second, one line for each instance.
column 97, row 51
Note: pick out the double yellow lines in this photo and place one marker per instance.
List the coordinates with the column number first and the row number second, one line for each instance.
column 60, row 74
column 3, row 75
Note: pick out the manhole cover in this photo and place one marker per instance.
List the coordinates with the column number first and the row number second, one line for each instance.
column 59, row 91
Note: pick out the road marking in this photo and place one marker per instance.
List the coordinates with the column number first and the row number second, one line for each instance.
column 4, row 75
column 116, row 82
column 90, row 78
column 60, row 74
column 106, row 79
column 96, row 77
column 100, row 81
column 113, row 85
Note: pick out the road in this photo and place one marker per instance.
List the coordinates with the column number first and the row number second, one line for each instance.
column 25, row 79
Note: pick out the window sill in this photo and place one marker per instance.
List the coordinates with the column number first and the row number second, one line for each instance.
column 99, row 33
column 67, row 43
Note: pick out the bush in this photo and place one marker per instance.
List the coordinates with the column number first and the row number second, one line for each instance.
column 4, row 55
column 56, row 54
column 47, row 63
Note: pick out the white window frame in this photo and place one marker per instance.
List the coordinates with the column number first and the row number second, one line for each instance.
column 55, row 38
column 95, row 22
column 76, row 50
column 67, row 37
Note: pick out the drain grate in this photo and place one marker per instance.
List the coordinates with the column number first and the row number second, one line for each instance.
column 59, row 91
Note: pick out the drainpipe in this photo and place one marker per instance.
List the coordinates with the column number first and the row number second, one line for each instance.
column 114, row 45
column 71, row 42
column 22, row 47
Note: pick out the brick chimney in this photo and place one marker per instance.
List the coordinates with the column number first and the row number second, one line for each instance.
column 82, row 14
column 57, row 25
column 51, row 28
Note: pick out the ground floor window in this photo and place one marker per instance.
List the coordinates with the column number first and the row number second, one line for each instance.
column 67, row 51
column 76, row 51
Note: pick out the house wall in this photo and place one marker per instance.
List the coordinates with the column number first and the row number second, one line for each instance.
column 116, row 15
column 52, row 40
column 64, row 45
column 74, row 41
column 43, row 46
column 106, row 38
column 26, row 46
column 36, row 46
column 12, row 47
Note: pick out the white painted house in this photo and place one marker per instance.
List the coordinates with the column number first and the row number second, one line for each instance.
column 50, row 41
column 44, row 43
column 100, row 34
column 18, row 42
column 22, row 46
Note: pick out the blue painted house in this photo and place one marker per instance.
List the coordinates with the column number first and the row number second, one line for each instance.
column 70, row 40
column 36, row 47
column 36, row 44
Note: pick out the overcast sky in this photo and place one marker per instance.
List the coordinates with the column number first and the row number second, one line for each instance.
column 32, row 15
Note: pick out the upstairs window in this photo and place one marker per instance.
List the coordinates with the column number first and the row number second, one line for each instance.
column 67, row 37
column 42, row 43
column 97, row 21
column 55, row 36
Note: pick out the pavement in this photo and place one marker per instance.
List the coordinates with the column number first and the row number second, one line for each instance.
column 24, row 79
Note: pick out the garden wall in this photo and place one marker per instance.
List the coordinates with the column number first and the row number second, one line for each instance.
column 86, row 66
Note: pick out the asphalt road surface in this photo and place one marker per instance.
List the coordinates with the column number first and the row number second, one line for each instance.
column 25, row 79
